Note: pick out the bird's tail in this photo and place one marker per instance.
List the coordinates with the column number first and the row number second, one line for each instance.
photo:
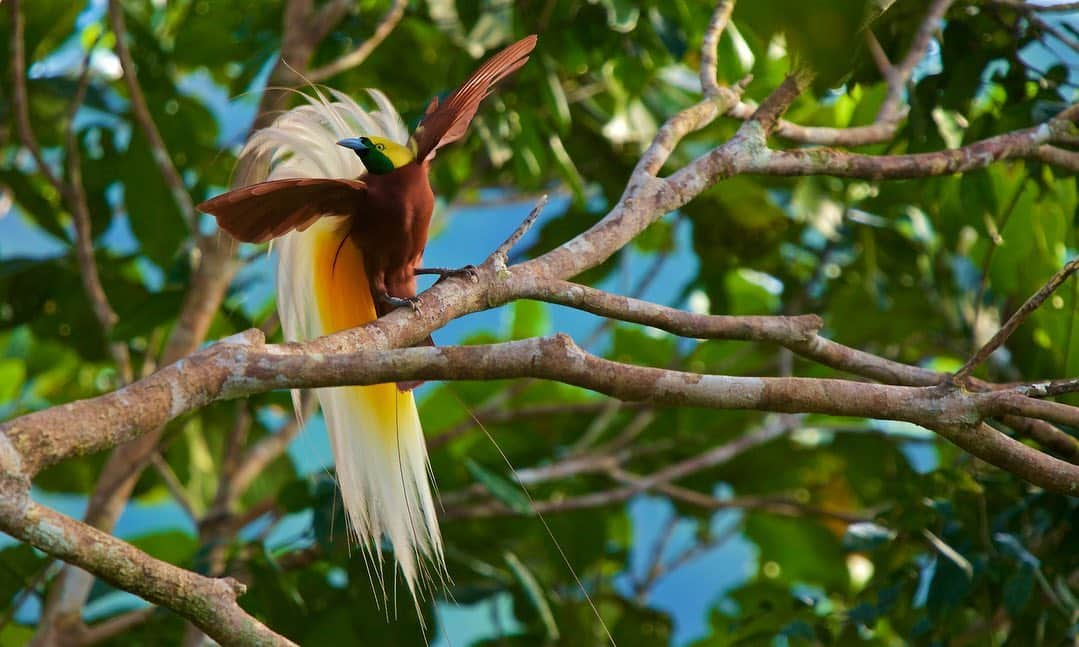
column 322, row 287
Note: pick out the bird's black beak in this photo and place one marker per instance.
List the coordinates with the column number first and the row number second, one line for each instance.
column 354, row 143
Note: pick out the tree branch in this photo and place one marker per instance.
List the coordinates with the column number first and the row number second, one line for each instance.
column 679, row 322
column 21, row 100
column 823, row 161
column 357, row 56
column 141, row 111
column 892, row 111
column 209, row 603
column 242, row 366
column 1017, row 319
column 720, row 17
column 84, row 244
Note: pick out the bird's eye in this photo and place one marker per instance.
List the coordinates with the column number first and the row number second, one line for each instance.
column 381, row 147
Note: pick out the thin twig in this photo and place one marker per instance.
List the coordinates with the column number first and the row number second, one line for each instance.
column 84, row 244
column 141, row 111
column 21, row 103
column 174, row 486
column 357, row 56
column 259, row 456
column 500, row 256
column 117, row 625
column 892, row 110
column 1017, row 319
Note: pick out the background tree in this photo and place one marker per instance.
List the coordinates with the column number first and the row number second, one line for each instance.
column 903, row 170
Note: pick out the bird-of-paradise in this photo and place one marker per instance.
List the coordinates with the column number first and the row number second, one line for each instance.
column 347, row 194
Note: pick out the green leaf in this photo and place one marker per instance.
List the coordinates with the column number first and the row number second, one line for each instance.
column 173, row 547
column 38, row 201
column 151, row 210
column 803, row 550
column 19, row 564
column 534, row 594
column 530, row 319
column 14, row 635
column 12, row 376
column 500, row 488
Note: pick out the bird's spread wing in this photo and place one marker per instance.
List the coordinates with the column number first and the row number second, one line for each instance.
column 447, row 122
column 257, row 213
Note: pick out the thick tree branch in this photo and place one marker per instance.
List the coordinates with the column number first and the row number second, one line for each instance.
column 1060, row 157
column 210, row 603
column 243, row 366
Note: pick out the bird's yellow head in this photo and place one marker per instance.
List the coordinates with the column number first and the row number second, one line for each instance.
column 378, row 154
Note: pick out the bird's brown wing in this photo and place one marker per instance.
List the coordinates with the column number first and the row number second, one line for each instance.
column 257, row 213
column 448, row 121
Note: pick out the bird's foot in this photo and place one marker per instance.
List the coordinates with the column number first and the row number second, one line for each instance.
column 398, row 302
column 466, row 272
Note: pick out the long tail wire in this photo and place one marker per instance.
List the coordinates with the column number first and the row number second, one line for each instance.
column 535, row 510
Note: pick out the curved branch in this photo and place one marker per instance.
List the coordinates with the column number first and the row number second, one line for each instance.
column 892, row 111
column 710, row 44
column 824, row 161
column 141, row 111
column 209, row 603
column 357, row 56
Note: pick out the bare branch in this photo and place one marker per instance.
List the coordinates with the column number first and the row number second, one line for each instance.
column 1065, row 159
column 174, row 486
column 892, row 110
column 116, row 625
column 357, row 56
column 243, row 366
column 918, row 48
column 1017, row 319
column 84, row 244
column 720, row 17
column 1056, row 441
column 501, row 254
column 823, row 161
column 768, row 114
column 141, row 111
column 679, row 322
column 21, row 103
column 265, row 451
column 210, row 603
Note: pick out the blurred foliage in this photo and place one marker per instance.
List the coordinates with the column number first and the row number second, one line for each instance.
column 915, row 271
